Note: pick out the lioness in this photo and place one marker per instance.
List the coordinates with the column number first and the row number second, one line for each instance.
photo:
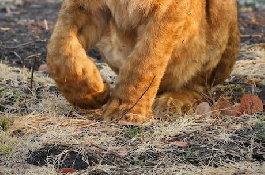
column 172, row 49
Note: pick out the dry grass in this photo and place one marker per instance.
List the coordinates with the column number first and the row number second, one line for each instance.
column 251, row 62
column 42, row 119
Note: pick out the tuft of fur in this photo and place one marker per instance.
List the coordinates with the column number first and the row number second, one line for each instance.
column 170, row 49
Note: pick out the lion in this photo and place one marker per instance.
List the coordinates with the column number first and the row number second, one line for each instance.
column 166, row 53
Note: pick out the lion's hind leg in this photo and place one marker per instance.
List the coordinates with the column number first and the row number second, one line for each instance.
column 182, row 100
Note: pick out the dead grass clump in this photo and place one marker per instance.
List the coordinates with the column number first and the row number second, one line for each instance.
column 43, row 123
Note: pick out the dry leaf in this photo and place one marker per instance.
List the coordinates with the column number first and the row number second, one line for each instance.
column 251, row 104
column 180, row 144
column 67, row 170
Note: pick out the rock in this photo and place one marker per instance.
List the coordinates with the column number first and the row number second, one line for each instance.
column 251, row 104
column 43, row 68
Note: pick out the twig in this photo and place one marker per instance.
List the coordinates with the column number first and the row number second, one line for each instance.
column 46, row 24
column 31, row 56
column 125, row 112
column 21, row 45
column 32, row 72
column 33, row 66
column 17, row 55
column 100, row 147
column 183, row 135
column 251, row 36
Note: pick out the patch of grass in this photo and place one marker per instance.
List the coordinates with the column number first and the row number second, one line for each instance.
column 140, row 162
column 17, row 95
column 131, row 131
column 261, row 131
column 261, row 117
column 7, row 143
column 188, row 157
column 5, row 123
column 234, row 88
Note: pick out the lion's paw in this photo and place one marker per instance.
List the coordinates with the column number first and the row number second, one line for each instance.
column 116, row 111
column 174, row 103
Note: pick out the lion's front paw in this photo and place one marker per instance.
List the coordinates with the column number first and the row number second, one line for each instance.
column 116, row 110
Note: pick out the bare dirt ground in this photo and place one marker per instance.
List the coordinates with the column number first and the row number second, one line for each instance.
column 41, row 133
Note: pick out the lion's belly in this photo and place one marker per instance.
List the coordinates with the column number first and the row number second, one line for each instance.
column 116, row 46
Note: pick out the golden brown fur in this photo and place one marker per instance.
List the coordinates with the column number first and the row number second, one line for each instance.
column 172, row 49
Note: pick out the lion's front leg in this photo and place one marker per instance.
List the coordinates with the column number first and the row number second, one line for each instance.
column 140, row 76
column 75, row 74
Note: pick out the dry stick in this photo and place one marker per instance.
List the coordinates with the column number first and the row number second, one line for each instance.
column 32, row 71
column 21, row 45
column 251, row 36
column 185, row 135
column 46, row 24
column 31, row 56
column 125, row 112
